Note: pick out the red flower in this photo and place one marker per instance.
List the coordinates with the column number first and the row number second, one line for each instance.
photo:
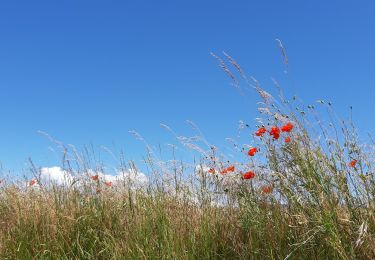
column 229, row 169
column 287, row 128
column 248, row 175
column 32, row 182
column 108, row 183
column 267, row 189
column 260, row 131
column 352, row 163
column 95, row 177
column 212, row 170
column 252, row 151
column 224, row 171
column 287, row 139
column 275, row 132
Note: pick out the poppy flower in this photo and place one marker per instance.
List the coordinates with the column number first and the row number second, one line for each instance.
column 108, row 183
column 228, row 169
column 224, row 171
column 212, row 170
column 267, row 189
column 231, row 168
column 95, row 177
column 252, row 151
column 275, row 132
column 248, row 175
column 32, row 182
column 287, row 139
column 352, row 163
column 261, row 131
column 287, row 127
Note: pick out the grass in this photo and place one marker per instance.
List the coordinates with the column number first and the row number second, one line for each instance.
column 317, row 206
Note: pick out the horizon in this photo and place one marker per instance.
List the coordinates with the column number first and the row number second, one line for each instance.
column 87, row 73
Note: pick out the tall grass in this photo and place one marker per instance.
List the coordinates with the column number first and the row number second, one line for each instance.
column 317, row 206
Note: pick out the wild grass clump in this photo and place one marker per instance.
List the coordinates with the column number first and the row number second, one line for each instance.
column 303, row 189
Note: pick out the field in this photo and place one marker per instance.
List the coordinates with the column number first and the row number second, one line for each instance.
column 303, row 189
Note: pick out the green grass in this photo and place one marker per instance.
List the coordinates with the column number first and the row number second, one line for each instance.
column 319, row 207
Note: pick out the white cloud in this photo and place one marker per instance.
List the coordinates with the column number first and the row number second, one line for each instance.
column 56, row 175
column 128, row 177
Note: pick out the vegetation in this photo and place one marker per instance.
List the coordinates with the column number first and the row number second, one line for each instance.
column 304, row 189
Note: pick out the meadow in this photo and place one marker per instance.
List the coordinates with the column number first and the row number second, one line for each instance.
column 303, row 189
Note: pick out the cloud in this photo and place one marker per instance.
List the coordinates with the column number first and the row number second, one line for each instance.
column 57, row 176
column 130, row 177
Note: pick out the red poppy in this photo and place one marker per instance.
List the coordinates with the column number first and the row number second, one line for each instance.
column 252, row 151
column 229, row 169
column 248, row 175
column 275, row 132
column 352, row 163
column 108, row 183
column 95, row 177
column 260, row 131
column 267, row 189
column 32, row 182
column 287, row 127
column 287, row 139
column 224, row 171
column 212, row 170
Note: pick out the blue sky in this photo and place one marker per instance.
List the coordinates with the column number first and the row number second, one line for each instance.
column 89, row 71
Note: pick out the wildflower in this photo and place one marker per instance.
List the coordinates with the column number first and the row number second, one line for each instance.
column 98, row 190
column 261, row 131
column 352, row 163
column 267, row 189
column 95, row 177
column 229, row 169
column 287, row 128
column 32, row 182
column 287, row 139
column 212, row 171
column 252, row 151
column 275, row 132
column 108, row 183
column 224, row 171
column 248, row 175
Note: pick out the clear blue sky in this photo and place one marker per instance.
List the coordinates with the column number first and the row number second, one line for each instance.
column 89, row 71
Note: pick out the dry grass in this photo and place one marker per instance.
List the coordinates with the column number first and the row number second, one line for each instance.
column 319, row 207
